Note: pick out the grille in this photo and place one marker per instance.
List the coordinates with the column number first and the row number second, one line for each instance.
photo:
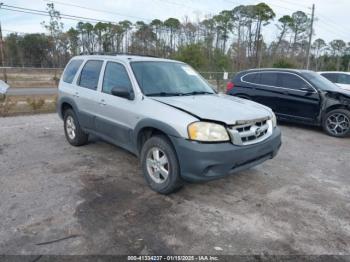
column 250, row 132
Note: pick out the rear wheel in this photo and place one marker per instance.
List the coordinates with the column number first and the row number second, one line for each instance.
column 160, row 165
column 337, row 123
column 74, row 134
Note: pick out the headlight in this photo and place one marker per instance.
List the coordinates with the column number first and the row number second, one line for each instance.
column 207, row 132
column 274, row 120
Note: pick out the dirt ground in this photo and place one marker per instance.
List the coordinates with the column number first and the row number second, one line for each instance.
column 95, row 201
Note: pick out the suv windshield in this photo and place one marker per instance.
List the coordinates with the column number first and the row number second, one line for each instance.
column 169, row 79
column 319, row 81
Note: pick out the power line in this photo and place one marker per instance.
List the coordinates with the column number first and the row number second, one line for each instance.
column 45, row 13
column 96, row 10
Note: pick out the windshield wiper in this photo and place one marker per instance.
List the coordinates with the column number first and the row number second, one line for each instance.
column 198, row 93
column 164, row 94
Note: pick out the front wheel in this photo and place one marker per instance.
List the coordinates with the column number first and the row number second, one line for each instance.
column 160, row 165
column 337, row 123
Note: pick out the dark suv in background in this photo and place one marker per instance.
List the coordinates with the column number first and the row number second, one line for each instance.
column 298, row 96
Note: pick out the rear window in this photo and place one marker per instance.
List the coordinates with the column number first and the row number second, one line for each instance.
column 269, row 79
column 90, row 74
column 71, row 70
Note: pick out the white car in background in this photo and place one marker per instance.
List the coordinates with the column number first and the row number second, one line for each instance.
column 3, row 87
column 342, row 79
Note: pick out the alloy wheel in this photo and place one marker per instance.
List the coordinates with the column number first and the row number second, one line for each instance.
column 338, row 123
column 70, row 127
column 157, row 165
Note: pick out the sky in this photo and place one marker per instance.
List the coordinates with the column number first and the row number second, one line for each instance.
column 332, row 17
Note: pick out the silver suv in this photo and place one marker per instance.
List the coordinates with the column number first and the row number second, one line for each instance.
column 165, row 113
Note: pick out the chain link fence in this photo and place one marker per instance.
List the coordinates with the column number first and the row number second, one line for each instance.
column 31, row 77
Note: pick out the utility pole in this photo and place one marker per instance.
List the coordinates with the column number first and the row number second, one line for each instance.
column 310, row 37
column 2, row 52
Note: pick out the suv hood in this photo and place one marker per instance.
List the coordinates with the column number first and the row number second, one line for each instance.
column 218, row 107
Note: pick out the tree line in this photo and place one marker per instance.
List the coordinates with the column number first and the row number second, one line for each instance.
column 230, row 41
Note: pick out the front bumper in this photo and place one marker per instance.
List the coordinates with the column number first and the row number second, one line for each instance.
column 204, row 162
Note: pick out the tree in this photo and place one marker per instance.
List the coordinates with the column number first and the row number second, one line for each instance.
column 73, row 38
column 338, row 48
column 35, row 48
column 194, row 55
column 99, row 29
column 284, row 25
column 263, row 14
column 299, row 26
column 172, row 25
column 318, row 46
column 55, row 27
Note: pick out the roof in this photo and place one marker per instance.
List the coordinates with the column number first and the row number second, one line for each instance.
column 278, row 69
column 336, row 72
column 125, row 57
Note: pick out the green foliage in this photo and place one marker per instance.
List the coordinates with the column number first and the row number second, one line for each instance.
column 284, row 63
column 193, row 55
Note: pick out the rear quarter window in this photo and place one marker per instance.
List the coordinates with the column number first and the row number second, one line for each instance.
column 71, row 69
column 251, row 78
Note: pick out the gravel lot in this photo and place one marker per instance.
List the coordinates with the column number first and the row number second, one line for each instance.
column 96, row 198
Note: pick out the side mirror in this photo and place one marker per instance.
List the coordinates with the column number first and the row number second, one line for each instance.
column 123, row 91
column 307, row 89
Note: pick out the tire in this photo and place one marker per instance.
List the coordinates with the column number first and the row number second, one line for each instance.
column 154, row 168
column 337, row 123
column 74, row 134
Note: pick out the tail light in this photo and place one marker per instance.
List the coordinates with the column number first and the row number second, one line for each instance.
column 229, row 86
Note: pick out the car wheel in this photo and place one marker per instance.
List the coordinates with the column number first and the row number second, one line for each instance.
column 160, row 165
column 74, row 134
column 337, row 123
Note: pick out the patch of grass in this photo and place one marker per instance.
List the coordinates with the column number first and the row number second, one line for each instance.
column 6, row 105
column 36, row 104
column 26, row 105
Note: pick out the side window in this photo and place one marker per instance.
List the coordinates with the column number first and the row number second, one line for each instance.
column 251, row 78
column 331, row 77
column 115, row 76
column 269, row 79
column 90, row 74
column 291, row 81
column 343, row 79
column 71, row 70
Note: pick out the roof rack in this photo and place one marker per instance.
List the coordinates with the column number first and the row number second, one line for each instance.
column 116, row 54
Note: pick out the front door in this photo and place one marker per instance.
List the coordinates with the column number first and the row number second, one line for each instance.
column 299, row 100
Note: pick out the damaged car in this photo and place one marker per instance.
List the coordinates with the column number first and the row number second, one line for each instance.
column 165, row 113
column 296, row 96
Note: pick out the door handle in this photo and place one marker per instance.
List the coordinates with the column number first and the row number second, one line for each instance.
column 103, row 102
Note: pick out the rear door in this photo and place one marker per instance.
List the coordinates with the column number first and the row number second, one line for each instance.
column 263, row 88
column 67, row 87
column 116, row 115
column 86, row 95
column 299, row 100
